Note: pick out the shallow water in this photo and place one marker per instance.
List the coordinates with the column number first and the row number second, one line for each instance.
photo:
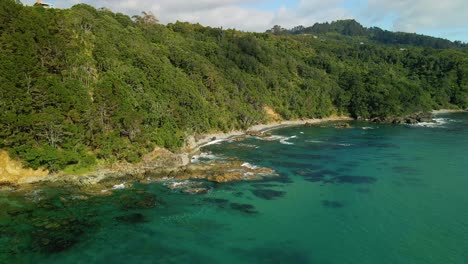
column 369, row 194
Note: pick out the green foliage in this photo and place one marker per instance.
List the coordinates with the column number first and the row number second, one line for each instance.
column 82, row 84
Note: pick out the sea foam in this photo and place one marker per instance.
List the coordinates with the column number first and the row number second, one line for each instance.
column 203, row 156
column 248, row 165
column 439, row 122
column 286, row 142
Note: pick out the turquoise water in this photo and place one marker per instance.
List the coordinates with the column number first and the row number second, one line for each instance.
column 369, row 194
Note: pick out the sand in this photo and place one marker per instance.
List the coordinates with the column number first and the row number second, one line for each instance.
column 445, row 111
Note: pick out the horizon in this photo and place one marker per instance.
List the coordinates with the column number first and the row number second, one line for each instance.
column 420, row 17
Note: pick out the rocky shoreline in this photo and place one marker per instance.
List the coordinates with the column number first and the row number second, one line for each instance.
column 162, row 164
column 419, row 117
column 409, row 119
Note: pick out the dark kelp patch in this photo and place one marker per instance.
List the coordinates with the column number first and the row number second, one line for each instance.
column 56, row 237
column 135, row 218
column 238, row 194
column 329, row 176
column 268, row 194
column 138, row 201
column 245, row 208
column 332, row 204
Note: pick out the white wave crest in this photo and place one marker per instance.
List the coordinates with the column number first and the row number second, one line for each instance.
column 286, row 142
column 438, row 122
column 248, row 165
column 203, row 156
column 314, row 141
column 214, row 142
column 119, row 186
column 272, row 138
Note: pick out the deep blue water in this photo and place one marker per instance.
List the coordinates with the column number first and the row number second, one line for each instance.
column 373, row 193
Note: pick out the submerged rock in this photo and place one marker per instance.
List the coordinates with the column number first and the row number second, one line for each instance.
column 343, row 125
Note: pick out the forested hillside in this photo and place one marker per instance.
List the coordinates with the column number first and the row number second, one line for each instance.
column 351, row 27
column 83, row 84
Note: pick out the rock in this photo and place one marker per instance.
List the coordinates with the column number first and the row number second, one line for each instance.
column 226, row 176
column 240, row 138
column 343, row 125
column 253, row 133
column 410, row 121
column 425, row 117
column 264, row 171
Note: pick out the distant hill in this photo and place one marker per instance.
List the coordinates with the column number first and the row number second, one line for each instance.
column 351, row 27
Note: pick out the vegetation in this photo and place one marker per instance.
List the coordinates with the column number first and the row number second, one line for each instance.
column 80, row 84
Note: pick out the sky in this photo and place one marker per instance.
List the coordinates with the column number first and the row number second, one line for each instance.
column 446, row 18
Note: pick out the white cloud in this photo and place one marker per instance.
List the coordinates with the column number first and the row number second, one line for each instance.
column 417, row 15
column 429, row 16
column 225, row 13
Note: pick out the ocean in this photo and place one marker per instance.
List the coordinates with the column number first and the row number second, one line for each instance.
column 371, row 193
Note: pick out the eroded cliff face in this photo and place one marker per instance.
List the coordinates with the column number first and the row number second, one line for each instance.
column 13, row 171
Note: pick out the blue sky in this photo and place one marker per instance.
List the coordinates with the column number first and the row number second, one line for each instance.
column 445, row 19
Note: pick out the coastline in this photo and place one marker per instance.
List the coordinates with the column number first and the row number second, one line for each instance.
column 213, row 138
column 160, row 160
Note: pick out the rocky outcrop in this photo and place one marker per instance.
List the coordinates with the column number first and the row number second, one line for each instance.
column 12, row 171
column 343, row 125
column 409, row 119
